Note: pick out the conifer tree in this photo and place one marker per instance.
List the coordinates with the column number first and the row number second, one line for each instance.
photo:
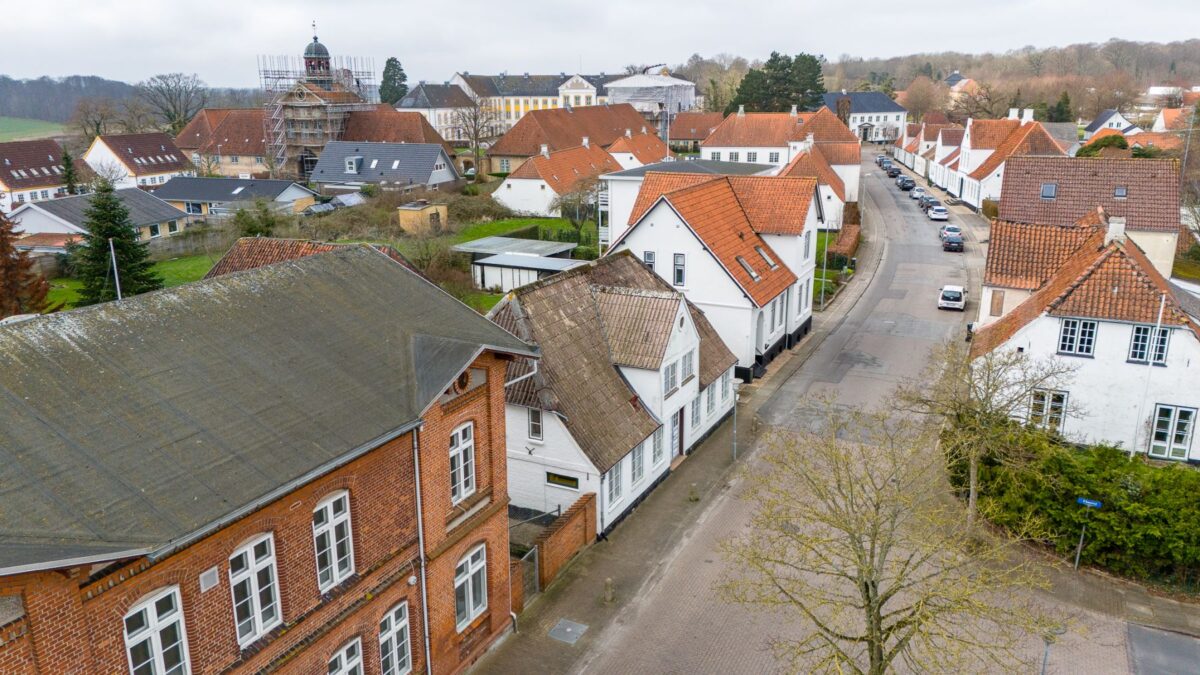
column 395, row 82
column 107, row 219
column 70, row 178
column 22, row 290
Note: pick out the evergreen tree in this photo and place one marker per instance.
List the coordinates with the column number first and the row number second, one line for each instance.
column 106, row 218
column 394, row 85
column 69, row 176
column 259, row 223
column 1061, row 111
column 783, row 81
column 22, row 290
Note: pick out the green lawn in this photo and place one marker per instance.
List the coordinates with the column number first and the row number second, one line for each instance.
column 1186, row 269
column 173, row 272
column 482, row 301
column 499, row 228
column 21, row 129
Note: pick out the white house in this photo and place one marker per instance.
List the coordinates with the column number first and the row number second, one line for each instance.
column 619, row 190
column 772, row 138
column 444, row 106
column 741, row 248
column 638, row 149
column 1134, row 346
column 536, row 186
column 986, row 180
column 945, row 155
column 905, row 147
column 873, row 116
column 32, row 171
column 927, row 145
column 137, row 160
column 830, row 187
column 1110, row 119
column 631, row 377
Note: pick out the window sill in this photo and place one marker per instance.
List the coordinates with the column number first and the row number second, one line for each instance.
column 1077, row 356
column 536, row 441
column 1135, row 362
column 687, row 379
column 670, row 393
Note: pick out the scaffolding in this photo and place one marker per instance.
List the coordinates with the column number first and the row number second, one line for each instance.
column 300, row 120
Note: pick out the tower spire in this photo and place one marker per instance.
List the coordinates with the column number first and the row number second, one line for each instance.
column 314, row 26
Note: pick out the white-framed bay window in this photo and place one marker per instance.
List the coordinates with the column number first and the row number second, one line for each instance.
column 252, row 580
column 462, row 463
column 332, row 540
column 470, row 587
column 395, row 648
column 155, row 636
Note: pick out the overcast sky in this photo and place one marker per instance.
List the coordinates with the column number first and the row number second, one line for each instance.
column 219, row 39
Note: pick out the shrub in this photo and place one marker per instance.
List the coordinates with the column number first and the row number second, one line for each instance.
column 1193, row 253
column 990, row 209
column 369, row 190
column 586, row 252
column 470, row 190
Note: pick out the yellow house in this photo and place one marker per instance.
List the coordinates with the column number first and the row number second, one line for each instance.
column 421, row 217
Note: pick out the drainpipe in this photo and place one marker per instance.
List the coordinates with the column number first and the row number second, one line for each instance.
column 416, row 444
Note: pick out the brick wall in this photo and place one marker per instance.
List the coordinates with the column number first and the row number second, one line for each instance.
column 75, row 621
column 16, row 649
column 516, row 585
column 570, row 532
column 847, row 240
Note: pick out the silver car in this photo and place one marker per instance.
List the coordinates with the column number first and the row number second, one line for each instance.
column 916, row 193
column 938, row 213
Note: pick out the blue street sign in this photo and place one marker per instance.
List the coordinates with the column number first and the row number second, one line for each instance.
column 1090, row 503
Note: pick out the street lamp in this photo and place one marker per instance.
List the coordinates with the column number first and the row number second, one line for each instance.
column 1050, row 637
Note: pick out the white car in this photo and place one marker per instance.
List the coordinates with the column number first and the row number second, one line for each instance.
column 949, row 229
column 952, row 297
column 916, row 193
column 938, row 213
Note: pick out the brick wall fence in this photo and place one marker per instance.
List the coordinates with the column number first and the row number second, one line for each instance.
column 847, row 240
column 566, row 536
column 516, row 584
column 214, row 240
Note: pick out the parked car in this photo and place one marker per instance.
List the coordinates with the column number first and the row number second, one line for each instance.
column 952, row 242
column 880, row 158
column 906, row 183
column 952, row 297
column 924, row 200
column 916, row 193
column 948, row 230
column 893, row 171
column 938, row 212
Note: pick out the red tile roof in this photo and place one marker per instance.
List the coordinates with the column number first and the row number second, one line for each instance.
column 814, row 165
column 713, row 211
column 564, row 170
column 656, row 184
column 148, row 153
column 562, row 128
column 826, row 127
column 1151, row 187
column 25, row 165
column 989, row 134
column 1167, row 140
column 1024, row 255
column 951, row 136
column 239, row 132
column 913, row 145
column 775, row 204
column 388, row 125
column 250, row 253
column 645, row 148
column 1030, row 138
column 931, row 131
column 951, row 159
column 776, row 130
column 198, row 131
column 693, row 126
column 1176, row 118
column 840, row 154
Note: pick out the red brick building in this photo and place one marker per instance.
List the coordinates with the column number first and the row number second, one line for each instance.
column 226, row 477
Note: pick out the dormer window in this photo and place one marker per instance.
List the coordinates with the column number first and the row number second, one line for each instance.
column 1120, row 192
column 1049, row 190
column 353, row 164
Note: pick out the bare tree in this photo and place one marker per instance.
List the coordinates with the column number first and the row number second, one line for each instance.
column 578, row 205
column 174, row 97
column 478, row 122
column 135, row 116
column 977, row 400
column 983, row 102
column 924, row 95
column 209, row 166
column 94, row 117
column 855, row 537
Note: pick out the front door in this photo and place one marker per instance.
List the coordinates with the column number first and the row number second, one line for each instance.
column 677, row 433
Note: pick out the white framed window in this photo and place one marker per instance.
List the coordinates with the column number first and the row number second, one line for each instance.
column 710, row 399
column 1047, row 408
column 1077, row 336
column 638, row 463
column 255, row 592
column 726, row 386
column 657, row 454
column 155, row 637
column 1172, row 436
column 1140, row 347
column 751, row 157
column 462, row 463
column 689, row 365
column 347, row 660
column 670, row 378
column 808, row 245
column 773, row 157
column 154, row 231
column 648, row 258
column 733, row 156
column 613, row 481
column 1049, row 190
column 395, row 650
column 172, row 227
column 504, row 166
column 696, row 413
column 193, row 208
column 332, row 539
column 680, row 269
column 715, row 156
column 535, row 424
column 470, row 587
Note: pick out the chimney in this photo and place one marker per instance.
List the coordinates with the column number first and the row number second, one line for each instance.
column 1014, row 113
column 809, row 140
column 793, row 113
column 643, row 128
column 628, row 133
column 545, row 150
column 1116, row 231
column 586, row 143
column 741, row 110
column 1027, row 115
column 843, row 92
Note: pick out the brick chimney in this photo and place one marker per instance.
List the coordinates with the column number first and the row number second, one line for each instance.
column 1116, row 231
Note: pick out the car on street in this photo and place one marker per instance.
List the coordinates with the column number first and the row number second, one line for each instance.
column 953, row 242
column 938, row 212
column 916, row 193
column 906, row 183
column 879, row 159
column 925, row 201
column 952, row 297
column 948, row 230
column 893, row 171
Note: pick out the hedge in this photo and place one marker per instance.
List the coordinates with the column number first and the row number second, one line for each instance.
column 1148, row 528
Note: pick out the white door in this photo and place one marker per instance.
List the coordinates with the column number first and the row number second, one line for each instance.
column 676, row 441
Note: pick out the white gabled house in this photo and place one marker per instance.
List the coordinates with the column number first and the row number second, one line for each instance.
column 1133, row 339
column 985, row 179
column 741, row 248
column 537, row 185
column 905, row 148
column 144, row 160
column 831, row 188
column 631, row 378
column 1110, row 119
column 945, row 155
column 772, row 138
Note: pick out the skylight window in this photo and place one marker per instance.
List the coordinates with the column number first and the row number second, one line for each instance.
column 1120, row 192
column 1049, row 190
column 746, row 266
column 374, row 163
column 763, row 253
column 395, row 164
column 239, row 189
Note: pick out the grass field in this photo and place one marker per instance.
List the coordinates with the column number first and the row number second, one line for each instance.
column 21, row 129
column 173, row 272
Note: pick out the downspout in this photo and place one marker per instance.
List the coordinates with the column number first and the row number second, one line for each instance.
column 421, row 545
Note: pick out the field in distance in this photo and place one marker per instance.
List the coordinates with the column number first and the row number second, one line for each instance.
column 22, row 129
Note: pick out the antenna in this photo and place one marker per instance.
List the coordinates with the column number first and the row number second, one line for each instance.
column 116, row 277
column 314, row 25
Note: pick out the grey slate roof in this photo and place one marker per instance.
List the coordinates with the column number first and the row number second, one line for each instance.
column 143, row 424
column 435, row 96
column 412, row 162
column 1102, row 119
column 705, row 166
column 530, row 262
column 144, row 208
column 533, row 85
column 864, row 102
column 499, row 245
column 186, row 188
